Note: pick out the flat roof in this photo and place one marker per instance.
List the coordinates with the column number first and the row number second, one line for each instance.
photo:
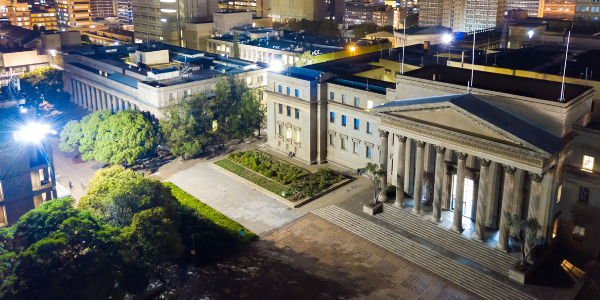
column 527, row 87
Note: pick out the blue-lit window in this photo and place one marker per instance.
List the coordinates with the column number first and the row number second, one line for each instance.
column 369, row 127
column 280, row 108
column 356, row 101
column 297, row 113
column 289, row 111
column 288, row 90
column 280, row 89
column 344, row 99
column 343, row 120
column 331, row 95
column 356, row 124
column 369, row 152
column 297, row 93
column 332, row 117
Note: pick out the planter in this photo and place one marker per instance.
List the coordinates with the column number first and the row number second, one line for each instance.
column 372, row 209
column 517, row 275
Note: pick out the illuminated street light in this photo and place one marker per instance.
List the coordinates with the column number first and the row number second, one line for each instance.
column 530, row 33
column 352, row 49
column 33, row 132
column 52, row 52
column 276, row 65
column 446, row 38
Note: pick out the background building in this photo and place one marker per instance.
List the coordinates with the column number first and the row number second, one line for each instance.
column 17, row 13
column 73, row 15
column 587, row 16
column 103, row 8
column 44, row 18
column 557, row 9
column 259, row 8
column 125, row 14
column 531, row 6
column 432, row 11
column 314, row 10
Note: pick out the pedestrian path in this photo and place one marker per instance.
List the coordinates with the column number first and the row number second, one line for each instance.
column 466, row 276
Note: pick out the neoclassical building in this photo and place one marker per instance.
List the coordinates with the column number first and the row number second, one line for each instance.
column 508, row 146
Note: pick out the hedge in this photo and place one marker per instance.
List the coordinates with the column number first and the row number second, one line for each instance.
column 272, row 186
column 210, row 213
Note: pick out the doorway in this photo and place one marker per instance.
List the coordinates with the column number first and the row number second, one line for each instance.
column 469, row 190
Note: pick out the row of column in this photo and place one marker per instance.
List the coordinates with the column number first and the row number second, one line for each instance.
column 483, row 197
column 95, row 99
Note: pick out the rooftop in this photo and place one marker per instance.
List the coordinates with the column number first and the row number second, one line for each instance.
column 527, row 87
column 425, row 30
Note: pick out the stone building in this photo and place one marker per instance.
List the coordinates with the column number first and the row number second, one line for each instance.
column 509, row 146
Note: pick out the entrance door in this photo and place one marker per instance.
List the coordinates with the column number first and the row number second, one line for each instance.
column 467, row 196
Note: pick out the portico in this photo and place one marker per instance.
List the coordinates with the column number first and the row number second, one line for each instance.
column 482, row 137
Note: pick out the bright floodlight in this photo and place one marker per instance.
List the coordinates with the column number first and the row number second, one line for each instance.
column 33, row 132
column 276, row 65
column 446, row 38
column 352, row 49
column 530, row 33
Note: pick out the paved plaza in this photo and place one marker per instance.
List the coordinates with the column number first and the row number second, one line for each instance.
column 312, row 258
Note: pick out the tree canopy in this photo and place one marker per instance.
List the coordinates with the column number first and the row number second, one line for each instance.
column 108, row 137
column 304, row 59
column 43, row 84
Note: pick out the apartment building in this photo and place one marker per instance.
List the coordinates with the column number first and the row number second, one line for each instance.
column 587, row 16
column 103, row 8
column 73, row 14
column 557, row 9
column 17, row 13
column 462, row 15
column 259, row 8
column 531, row 6
column 314, row 10
column 45, row 19
column 125, row 13
column 431, row 12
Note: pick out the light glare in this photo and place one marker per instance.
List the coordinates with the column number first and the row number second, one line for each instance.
column 530, row 33
column 446, row 38
column 33, row 132
column 276, row 65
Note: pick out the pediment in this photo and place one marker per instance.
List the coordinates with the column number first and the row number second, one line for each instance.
column 453, row 119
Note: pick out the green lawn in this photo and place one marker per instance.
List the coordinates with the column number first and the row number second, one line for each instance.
column 210, row 213
column 272, row 186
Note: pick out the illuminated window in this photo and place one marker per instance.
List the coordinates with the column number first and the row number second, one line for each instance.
column 588, row 163
column 297, row 135
column 3, row 221
column 248, row 80
column 355, row 148
column 289, row 133
column 578, row 229
column 369, row 104
column 559, row 193
column 555, row 228
column 331, row 139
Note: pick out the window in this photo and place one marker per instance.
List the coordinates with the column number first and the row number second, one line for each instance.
column 344, row 99
column 369, row 104
column 578, row 229
column 297, row 92
column 331, row 95
column 369, row 127
column 3, row 221
column 356, row 123
column 355, row 148
column 296, row 113
column 577, row 8
column 584, row 195
column 173, row 95
column 588, row 163
column 187, row 93
column 297, row 135
column 343, row 120
column 1, row 192
column 289, row 111
column 289, row 133
column 343, row 143
column 280, row 108
column 332, row 117
column 369, row 154
column 248, row 80
column 356, row 101
column 555, row 227
column 331, row 139
column 288, row 90
column 558, row 194
column 280, row 129
column 280, row 89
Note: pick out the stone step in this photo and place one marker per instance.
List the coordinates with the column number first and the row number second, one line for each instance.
column 469, row 278
column 476, row 251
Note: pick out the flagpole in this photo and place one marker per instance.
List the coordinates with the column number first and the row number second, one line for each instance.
column 562, row 87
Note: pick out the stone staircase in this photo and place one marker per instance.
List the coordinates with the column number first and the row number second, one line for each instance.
column 467, row 277
column 472, row 250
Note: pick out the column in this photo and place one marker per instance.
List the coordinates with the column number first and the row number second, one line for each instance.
column 417, row 195
column 440, row 169
column 81, row 95
column 482, row 200
column 383, row 163
column 99, row 99
column 88, row 93
column 106, row 101
column 507, row 196
column 534, row 196
column 72, row 89
column 407, row 156
column 399, row 175
column 460, row 191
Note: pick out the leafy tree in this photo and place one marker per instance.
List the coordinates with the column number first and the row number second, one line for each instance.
column 527, row 233
column 35, row 27
column 304, row 59
column 251, row 115
column 86, row 39
column 187, row 124
column 236, row 46
column 361, row 31
column 42, row 28
column 43, row 84
column 375, row 174
column 116, row 195
column 387, row 28
column 59, row 252
column 116, row 138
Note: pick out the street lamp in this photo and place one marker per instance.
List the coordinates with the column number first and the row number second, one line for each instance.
column 446, row 38
column 276, row 65
column 530, row 33
column 352, row 49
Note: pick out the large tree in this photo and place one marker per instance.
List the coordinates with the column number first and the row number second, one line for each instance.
column 236, row 46
column 187, row 124
column 43, row 84
column 304, row 59
column 116, row 138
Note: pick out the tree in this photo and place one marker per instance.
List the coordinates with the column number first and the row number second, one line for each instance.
column 59, row 252
column 187, row 124
column 43, row 84
column 375, row 174
column 527, row 233
column 86, row 39
column 387, row 28
column 304, row 59
column 361, row 31
column 116, row 138
column 35, row 27
column 42, row 28
column 251, row 115
column 236, row 46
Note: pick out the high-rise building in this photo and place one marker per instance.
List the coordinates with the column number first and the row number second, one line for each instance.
column 73, row 14
column 462, row 15
column 314, row 10
column 430, row 12
column 531, row 6
column 125, row 13
column 102, row 8
column 44, row 18
column 17, row 13
column 587, row 16
column 558, row 9
column 259, row 8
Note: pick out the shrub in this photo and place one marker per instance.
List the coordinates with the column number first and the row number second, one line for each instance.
column 268, row 174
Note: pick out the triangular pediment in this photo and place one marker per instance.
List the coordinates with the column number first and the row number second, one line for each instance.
column 456, row 120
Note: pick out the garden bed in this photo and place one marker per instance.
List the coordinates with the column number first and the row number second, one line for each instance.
column 295, row 184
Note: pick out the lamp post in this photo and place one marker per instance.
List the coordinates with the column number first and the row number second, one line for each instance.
column 446, row 40
column 352, row 49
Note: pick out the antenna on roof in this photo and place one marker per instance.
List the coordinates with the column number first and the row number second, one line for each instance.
column 403, row 46
column 470, row 83
column 367, row 84
column 562, row 87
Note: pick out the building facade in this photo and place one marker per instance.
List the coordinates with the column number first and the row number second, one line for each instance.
column 17, row 13
column 45, row 18
column 531, row 6
column 432, row 11
column 557, row 9
column 125, row 13
column 314, row 10
column 73, row 14
column 103, row 8
column 587, row 16
column 483, row 155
